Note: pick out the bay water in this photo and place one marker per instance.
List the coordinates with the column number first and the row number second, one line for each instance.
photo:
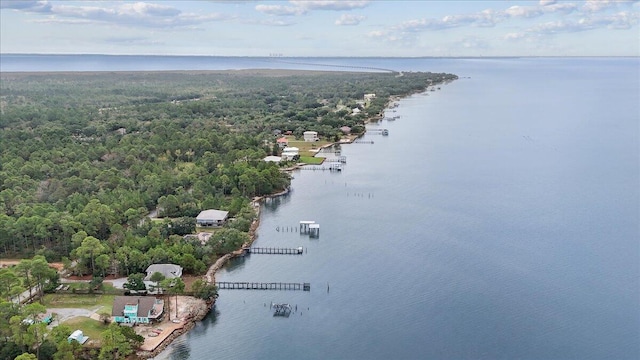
column 498, row 220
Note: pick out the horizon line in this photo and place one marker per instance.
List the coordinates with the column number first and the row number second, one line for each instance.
column 329, row 56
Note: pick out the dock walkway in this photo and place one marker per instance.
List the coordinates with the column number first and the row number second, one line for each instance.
column 275, row 251
column 235, row 285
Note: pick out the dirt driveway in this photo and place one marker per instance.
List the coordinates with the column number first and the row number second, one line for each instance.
column 64, row 314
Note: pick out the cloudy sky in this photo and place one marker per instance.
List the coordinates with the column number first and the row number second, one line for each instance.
column 323, row 28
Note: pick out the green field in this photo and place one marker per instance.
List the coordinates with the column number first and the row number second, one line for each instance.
column 91, row 328
column 307, row 148
column 311, row 160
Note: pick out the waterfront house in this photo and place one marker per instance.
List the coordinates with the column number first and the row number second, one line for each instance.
column 345, row 130
column 169, row 271
column 212, row 217
column 310, row 136
column 136, row 309
column 283, row 142
column 290, row 153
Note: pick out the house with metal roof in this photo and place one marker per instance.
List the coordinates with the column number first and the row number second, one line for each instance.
column 290, row 153
column 212, row 217
column 169, row 271
column 78, row 336
column 136, row 309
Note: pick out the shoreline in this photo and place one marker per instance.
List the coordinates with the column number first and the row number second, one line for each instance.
column 209, row 277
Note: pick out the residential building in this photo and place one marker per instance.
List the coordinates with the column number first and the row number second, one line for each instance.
column 283, row 142
column 310, row 136
column 290, row 153
column 136, row 309
column 212, row 217
column 169, row 271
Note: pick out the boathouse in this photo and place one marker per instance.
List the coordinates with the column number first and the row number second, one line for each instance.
column 314, row 230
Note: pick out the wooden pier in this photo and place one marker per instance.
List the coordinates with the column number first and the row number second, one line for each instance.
column 384, row 132
column 338, row 159
column 363, row 142
column 235, row 285
column 334, row 166
column 275, row 251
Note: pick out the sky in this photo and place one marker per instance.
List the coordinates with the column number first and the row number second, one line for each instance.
column 323, row 28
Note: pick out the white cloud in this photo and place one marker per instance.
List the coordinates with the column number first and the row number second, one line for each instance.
column 515, row 36
column 280, row 10
column 330, row 5
column 301, row 7
column 28, row 6
column 570, row 20
column 618, row 21
column 601, row 5
column 347, row 19
column 139, row 14
column 377, row 34
column 524, row 11
column 268, row 22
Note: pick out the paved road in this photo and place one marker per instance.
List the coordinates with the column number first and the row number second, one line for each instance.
column 117, row 283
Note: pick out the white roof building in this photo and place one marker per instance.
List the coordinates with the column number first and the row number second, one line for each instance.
column 169, row 271
column 78, row 336
column 212, row 217
column 289, row 153
column 310, row 136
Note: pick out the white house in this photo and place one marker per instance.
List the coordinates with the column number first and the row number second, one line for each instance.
column 310, row 136
column 289, row 153
column 212, row 217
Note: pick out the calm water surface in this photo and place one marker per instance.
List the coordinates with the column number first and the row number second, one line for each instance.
column 498, row 220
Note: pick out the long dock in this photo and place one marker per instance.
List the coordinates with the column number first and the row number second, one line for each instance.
column 332, row 167
column 275, row 251
column 234, row 285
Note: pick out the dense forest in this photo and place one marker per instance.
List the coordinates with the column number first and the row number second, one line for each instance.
column 86, row 157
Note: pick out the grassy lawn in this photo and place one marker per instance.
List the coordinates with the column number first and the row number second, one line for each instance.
column 307, row 148
column 91, row 328
column 82, row 301
column 311, row 160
